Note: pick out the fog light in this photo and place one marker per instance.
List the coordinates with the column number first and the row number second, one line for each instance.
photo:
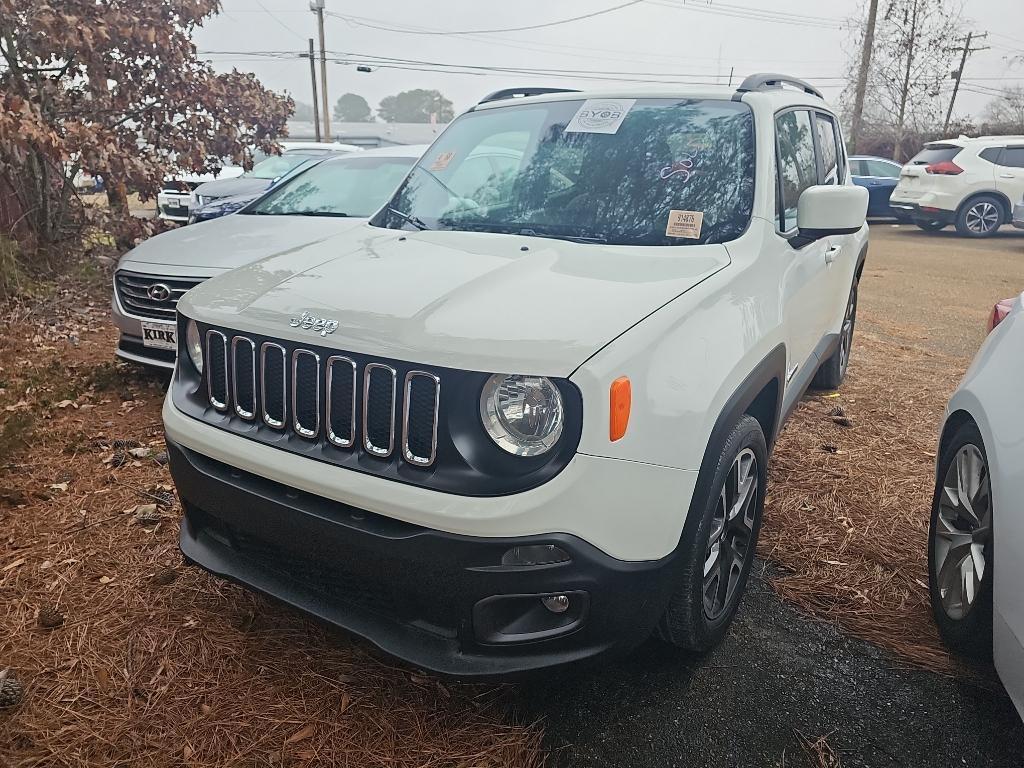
column 556, row 603
column 535, row 554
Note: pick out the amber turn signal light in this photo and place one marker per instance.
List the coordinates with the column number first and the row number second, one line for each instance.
column 620, row 399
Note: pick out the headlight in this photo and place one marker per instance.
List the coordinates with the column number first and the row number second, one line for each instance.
column 522, row 414
column 194, row 344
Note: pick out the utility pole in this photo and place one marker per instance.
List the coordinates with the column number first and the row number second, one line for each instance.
column 317, row 6
column 862, row 76
column 897, row 150
column 959, row 73
column 316, row 95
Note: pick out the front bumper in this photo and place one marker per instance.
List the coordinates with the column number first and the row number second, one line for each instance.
column 1018, row 215
column 130, row 346
column 440, row 601
column 173, row 207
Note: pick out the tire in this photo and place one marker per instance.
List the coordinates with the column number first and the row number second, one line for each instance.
column 832, row 372
column 689, row 621
column 965, row 626
column 931, row 226
column 980, row 216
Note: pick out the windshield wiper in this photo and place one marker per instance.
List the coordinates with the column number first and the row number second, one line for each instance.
column 337, row 214
column 418, row 223
column 530, row 231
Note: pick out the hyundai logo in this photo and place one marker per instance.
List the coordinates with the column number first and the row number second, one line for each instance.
column 159, row 292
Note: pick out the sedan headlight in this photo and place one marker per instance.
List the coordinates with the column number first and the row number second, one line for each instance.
column 194, row 344
column 522, row 414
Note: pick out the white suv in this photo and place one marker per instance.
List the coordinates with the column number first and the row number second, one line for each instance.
column 971, row 183
column 523, row 416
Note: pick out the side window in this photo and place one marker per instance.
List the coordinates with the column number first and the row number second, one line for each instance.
column 882, row 169
column 858, row 168
column 1013, row 157
column 797, row 168
column 991, row 154
column 829, row 149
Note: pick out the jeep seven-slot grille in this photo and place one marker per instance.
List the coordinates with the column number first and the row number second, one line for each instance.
column 331, row 400
column 151, row 296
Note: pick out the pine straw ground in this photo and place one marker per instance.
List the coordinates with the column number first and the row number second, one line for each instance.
column 850, row 493
column 157, row 664
column 160, row 665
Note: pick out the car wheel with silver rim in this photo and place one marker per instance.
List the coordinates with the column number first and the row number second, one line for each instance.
column 719, row 542
column 960, row 567
column 980, row 217
column 832, row 372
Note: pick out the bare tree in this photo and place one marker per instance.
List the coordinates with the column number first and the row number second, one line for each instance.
column 914, row 52
column 1006, row 111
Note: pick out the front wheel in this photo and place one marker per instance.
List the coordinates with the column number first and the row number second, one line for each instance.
column 718, row 545
column 832, row 372
column 960, row 567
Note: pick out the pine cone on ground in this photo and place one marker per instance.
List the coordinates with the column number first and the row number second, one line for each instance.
column 49, row 617
column 165, row 576
column 122, row 443
column 11, row 690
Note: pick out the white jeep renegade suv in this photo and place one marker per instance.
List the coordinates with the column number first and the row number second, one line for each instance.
column 523, row 416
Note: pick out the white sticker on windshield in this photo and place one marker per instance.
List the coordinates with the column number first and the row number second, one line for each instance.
column 600, row 116
column 684, row 224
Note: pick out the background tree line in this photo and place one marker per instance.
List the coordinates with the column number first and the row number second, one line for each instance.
column 413, row 106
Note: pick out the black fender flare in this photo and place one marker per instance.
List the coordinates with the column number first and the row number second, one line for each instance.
column 771, row 370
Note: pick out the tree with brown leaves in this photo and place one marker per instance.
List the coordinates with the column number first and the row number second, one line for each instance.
column 115, row 87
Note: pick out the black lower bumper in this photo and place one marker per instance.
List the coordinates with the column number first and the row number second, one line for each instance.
column 439, row 601
column 916, row 213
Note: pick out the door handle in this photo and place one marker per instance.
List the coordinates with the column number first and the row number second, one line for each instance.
column 832, row 253
column 1007, row 176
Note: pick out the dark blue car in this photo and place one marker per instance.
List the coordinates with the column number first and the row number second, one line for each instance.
column 880, row 177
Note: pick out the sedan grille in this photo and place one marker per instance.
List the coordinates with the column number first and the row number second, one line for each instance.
column 330, row 400
column 151, row 296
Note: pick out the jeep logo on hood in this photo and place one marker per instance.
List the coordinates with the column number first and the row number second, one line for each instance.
column 311, row 322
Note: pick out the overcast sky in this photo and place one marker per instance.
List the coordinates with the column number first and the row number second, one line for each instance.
column 644, row 39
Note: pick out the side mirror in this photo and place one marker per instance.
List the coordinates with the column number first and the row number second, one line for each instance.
column 825, row 210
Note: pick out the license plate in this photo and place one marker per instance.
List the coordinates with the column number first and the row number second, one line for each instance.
column 160, row 335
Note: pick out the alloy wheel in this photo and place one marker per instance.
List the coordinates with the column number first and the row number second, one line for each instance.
column 732, row 530
column 846, row 334
column 963, row 531
column 982, row 218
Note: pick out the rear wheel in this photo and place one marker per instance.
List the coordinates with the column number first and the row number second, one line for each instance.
column 960, row 568
column 980, row 217
column 931, row 226
column 832, row 372
column 718, row 548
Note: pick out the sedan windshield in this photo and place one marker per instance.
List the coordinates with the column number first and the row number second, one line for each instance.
column 617, row 171
column 277, row 166
column 352, row 186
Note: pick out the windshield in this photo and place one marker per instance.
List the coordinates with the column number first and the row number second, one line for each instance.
column 277, row 166
column 354, row 186
column 622, row 171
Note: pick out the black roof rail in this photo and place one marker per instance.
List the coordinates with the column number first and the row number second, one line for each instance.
column 764, row 80
column 519, row 93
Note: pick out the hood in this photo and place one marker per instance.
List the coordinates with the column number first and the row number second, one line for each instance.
column 232, row 203
column 232, row 241
column 467, row 300
column 225, row 187
column 227, row 172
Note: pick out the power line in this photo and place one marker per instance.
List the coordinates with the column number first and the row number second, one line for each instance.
column 388, row 28
column 752, row 14
column 280, row 23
